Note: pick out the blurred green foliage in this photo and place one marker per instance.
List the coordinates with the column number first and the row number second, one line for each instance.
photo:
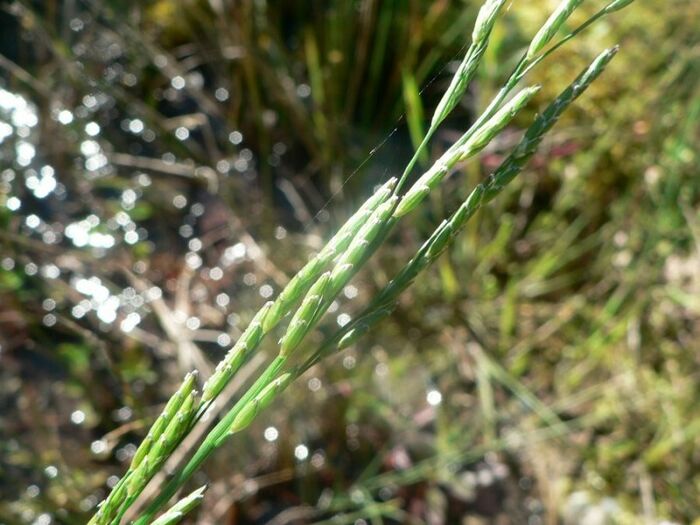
column 544, row 371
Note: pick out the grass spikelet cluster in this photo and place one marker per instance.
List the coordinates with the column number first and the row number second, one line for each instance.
column 468, row 146
column 319, row 283
column 301, row 282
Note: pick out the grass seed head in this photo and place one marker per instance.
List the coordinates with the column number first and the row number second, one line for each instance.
column 359, row 218
column 440, row 241
column 320, row 296
column 139, row 478
column 188, row 384
column 385, row 301
column 415, row 195
column 224, row 371
column 475, row 143
column 162, row 421
column 141, row 452
column 522, row 153
column 110, row 508
column 349, row 230
column 362, row 325
column 360, row 248
column 301, row 282
column 176, row 428
column 351, row 245
column 467, row 209
column 485, row 21
column 295, row 289
column 422, row 187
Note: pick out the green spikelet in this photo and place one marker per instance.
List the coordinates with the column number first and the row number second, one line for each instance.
column 177, row 426
column 361, row 328
column 247, row 343
column 301, row 282
column 497, row 123
column 178, row 511
column 347, row 264
column 172, row 407
column 303, row 318
column 142, row 451
column 139, row 478
column 551, row 26
column 110, row 508
column 485, row 21
column 259, row 402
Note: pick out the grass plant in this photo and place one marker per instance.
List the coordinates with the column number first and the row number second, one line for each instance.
column 308, row 295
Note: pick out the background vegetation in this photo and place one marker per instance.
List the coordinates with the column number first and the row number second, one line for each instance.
column 165, row 165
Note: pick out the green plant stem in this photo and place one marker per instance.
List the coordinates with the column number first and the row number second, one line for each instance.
column 416, row 155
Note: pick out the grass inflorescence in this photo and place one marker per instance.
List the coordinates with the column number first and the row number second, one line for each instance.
column 310, row 293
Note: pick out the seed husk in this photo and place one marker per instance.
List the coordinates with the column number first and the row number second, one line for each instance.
column 560, row 15
column 181, row 508
column 260, row 402
column 239, row 353
column 303, row 318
